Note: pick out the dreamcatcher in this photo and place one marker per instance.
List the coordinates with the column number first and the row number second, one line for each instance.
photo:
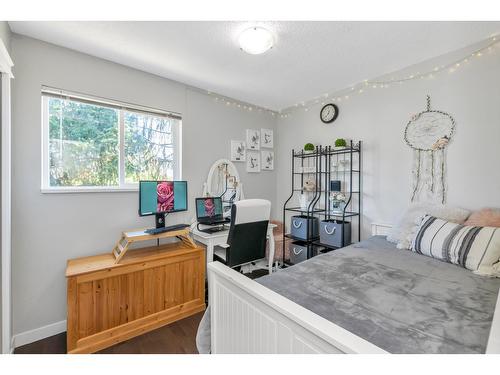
column 428, row 133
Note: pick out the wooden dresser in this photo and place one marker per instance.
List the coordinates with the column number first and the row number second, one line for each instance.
column 110, row 302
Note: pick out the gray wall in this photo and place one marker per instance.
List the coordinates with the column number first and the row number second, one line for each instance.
column 378, row 118
column 5, row 35
column 49, row 229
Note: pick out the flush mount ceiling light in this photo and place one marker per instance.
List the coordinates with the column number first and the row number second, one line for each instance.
column 255, row 40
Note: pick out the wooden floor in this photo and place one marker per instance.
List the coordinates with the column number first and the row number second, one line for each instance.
column 176, row 338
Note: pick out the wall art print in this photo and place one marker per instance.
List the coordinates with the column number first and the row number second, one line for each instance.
column 238, row 150
column 253, row 139
column 253, row 162
column 266, row 138
column 267, row 160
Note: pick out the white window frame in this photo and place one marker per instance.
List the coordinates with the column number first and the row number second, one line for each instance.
column 121, row 107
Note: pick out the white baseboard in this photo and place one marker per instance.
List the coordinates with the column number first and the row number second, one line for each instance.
column 38, row 333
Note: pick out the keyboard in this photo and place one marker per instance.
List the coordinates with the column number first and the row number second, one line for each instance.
column 170, row 228
column 213, row 230
column 215, row 222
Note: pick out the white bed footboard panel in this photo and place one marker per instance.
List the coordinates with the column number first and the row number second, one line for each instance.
column 247, row 317
column 493, row 346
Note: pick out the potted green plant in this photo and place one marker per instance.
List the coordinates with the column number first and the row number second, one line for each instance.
column 308, row 148
column 340, row 143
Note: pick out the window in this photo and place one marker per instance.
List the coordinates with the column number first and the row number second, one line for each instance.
column 95, row 144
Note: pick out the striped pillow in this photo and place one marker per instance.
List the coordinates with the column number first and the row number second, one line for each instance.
column 474, row 248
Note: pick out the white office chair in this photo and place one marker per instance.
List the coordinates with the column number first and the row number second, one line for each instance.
column 247, row 234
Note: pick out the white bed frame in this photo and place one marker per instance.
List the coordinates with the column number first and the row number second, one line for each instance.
column 247, row 317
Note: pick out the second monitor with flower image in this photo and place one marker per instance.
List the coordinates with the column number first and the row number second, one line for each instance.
column 162, row 197
column 209, row 211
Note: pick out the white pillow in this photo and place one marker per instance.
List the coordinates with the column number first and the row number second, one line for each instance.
column 474, row 248
column 404, row 232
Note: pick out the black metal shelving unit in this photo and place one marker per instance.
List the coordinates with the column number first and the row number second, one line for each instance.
column 326, row 161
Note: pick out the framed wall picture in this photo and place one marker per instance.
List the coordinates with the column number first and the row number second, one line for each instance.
column 253, row 139
column 253, row 162
column 238, row 150
column 267, row 160
column 266, row 138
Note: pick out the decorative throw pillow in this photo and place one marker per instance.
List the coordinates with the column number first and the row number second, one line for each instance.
column 403, row 233
column 486, row 217
column 474, row 248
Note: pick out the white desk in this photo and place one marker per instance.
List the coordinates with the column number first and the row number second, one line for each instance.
column 210, row 240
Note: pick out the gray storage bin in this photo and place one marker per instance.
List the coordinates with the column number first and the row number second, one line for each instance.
column 300, row 251
column 299, row 227
column 330, row 233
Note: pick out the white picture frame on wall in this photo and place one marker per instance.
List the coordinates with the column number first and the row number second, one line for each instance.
column 238, row 150
column 253, row 139
column 266, row 138
column 253, row 162
column 267, row 160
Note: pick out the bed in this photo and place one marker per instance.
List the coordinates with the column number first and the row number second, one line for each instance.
column 366, row 298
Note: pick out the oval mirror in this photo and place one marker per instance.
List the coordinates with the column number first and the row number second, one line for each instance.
column 224, row 181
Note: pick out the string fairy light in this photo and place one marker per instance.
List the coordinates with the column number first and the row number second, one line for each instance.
column 363, row 86
column 375, row 84
column 239, row 104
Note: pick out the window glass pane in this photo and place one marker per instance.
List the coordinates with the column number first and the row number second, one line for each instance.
column 83, row 144
column 149, row 148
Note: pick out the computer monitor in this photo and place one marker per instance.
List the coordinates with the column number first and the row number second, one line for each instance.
column 209, row 210
column 162, row 197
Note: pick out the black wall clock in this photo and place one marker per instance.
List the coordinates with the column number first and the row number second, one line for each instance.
column 329, row 113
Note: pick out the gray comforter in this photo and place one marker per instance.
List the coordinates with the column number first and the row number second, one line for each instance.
column 400, row 301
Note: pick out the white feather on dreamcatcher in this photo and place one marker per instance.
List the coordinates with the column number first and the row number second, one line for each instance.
column 428, row 133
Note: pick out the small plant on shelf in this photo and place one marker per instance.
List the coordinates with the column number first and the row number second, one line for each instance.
column 340, row 142
column 308, row 147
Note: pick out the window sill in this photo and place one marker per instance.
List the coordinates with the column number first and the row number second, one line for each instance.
column 79, row 190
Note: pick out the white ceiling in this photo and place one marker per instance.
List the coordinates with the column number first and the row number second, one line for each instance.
column 308, row 59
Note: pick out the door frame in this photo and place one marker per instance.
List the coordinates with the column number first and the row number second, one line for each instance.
column 6, row 72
